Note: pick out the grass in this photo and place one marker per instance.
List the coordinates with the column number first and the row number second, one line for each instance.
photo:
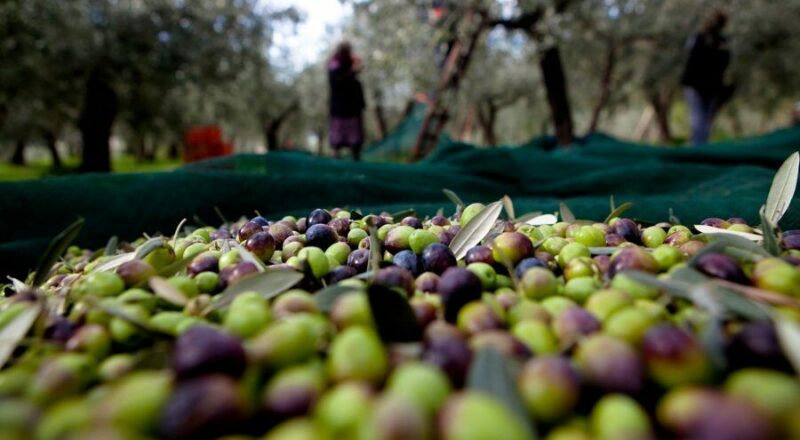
column 122, row 164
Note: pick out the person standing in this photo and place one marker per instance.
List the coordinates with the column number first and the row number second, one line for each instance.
column 346, row 124
column 703, row 76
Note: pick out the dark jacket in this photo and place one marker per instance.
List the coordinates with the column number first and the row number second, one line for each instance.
column 347, row 95
column 705, row 69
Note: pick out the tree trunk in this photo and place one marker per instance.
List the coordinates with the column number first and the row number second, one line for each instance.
column 557, row 98
column 19, row 152
column 605, row 87
column 174, row 150
column 662, row 103
column 487, row 120
column 50, row 142
column 380, row 114
column 273, row 126
column 97, row 120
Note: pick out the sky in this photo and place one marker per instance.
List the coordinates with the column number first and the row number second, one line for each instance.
column 298, row 46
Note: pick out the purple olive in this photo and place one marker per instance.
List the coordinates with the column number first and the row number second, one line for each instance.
column 321, row 236
column 395, row 276
column 674, row 357
column 248, row 230
column 573, row 324
column 609, row 364
column 203, row 408
column 317, row 217
column 408, row 260
column 412, row 221
column 457, row 287
column 203, row 350
column 359, row 260
column 479, row 254
column 721, row 266
column 261, row 244
column 427, row 282
column 756, row 345
column 437, row 258
column 628, row 230
column 635, row 258
column 205, row 262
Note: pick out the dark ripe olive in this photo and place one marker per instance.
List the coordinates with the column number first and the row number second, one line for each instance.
column 225, row 275
column 203, row 350
column 440, row 220
column 279, row 232
column 248, row 230
column 674, row 357
column 704, row 413
column 791, row 241
column 756, row 345
column 358, row 260
column 457, row 287
column 395, row 276
column 221, row 234
column 715, row 222
column 609, row 364
column 321, row 236
column 203, row 408
column 613, row 239
column 317, row 217
column 340, row 225
column 573, row 324
column 737, row 221
column 240, row 271
column 721, row 266
column 447, row 350
column 60, row 330
column 678, row 238
column 260, row 220
column 628, row 230
column 409, row 261
column 412, row 221
column 135, row 272
column 289, row 223
column 427, row 282
column 603, row 262
column 479, row 254
column 302, row 225
column 476, row 317
column 294, row 239
column 261, row 244
column 205, row 262
column 447, row 236
column 340, row 273
column 437, row 258
column 633, row 258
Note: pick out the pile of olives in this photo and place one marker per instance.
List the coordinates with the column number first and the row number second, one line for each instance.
column 185, row 337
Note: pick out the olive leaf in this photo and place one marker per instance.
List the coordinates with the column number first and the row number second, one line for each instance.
column 327, row 297
column 789, row 337
column 18, row 285
column 54, row 251
column 356, row 215
column 248, row 256
column 175, row 267
column 508, row 205
column 736, row 242
column 782, row 190
column 771, row 241
column 674, row 287
column 403, row 213
column 177, row 231
column 113, row 308
column 111, row 246
column 524, row 218
column 616, row 212
column 541, row 219
column 476, row 229
column 149, row 246
column 710, row 230
column 713, row 340
column 394, row 319
column 490, row 373
column 612, row 205
column 268, row 284
column 166, row 291
column 12, row 333
column 566, row 213
column 455, row 199
column 114, row 262
column 604, row 250
column 673, row 218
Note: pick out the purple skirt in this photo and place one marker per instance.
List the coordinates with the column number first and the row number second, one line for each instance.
column 346, row 132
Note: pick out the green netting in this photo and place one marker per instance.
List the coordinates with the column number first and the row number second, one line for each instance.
column 722, row 180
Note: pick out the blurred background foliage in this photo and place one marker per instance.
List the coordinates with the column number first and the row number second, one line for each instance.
column 148, row 70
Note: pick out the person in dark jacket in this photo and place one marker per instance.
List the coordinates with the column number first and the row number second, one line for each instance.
column 703, row 77
column 347, row 105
